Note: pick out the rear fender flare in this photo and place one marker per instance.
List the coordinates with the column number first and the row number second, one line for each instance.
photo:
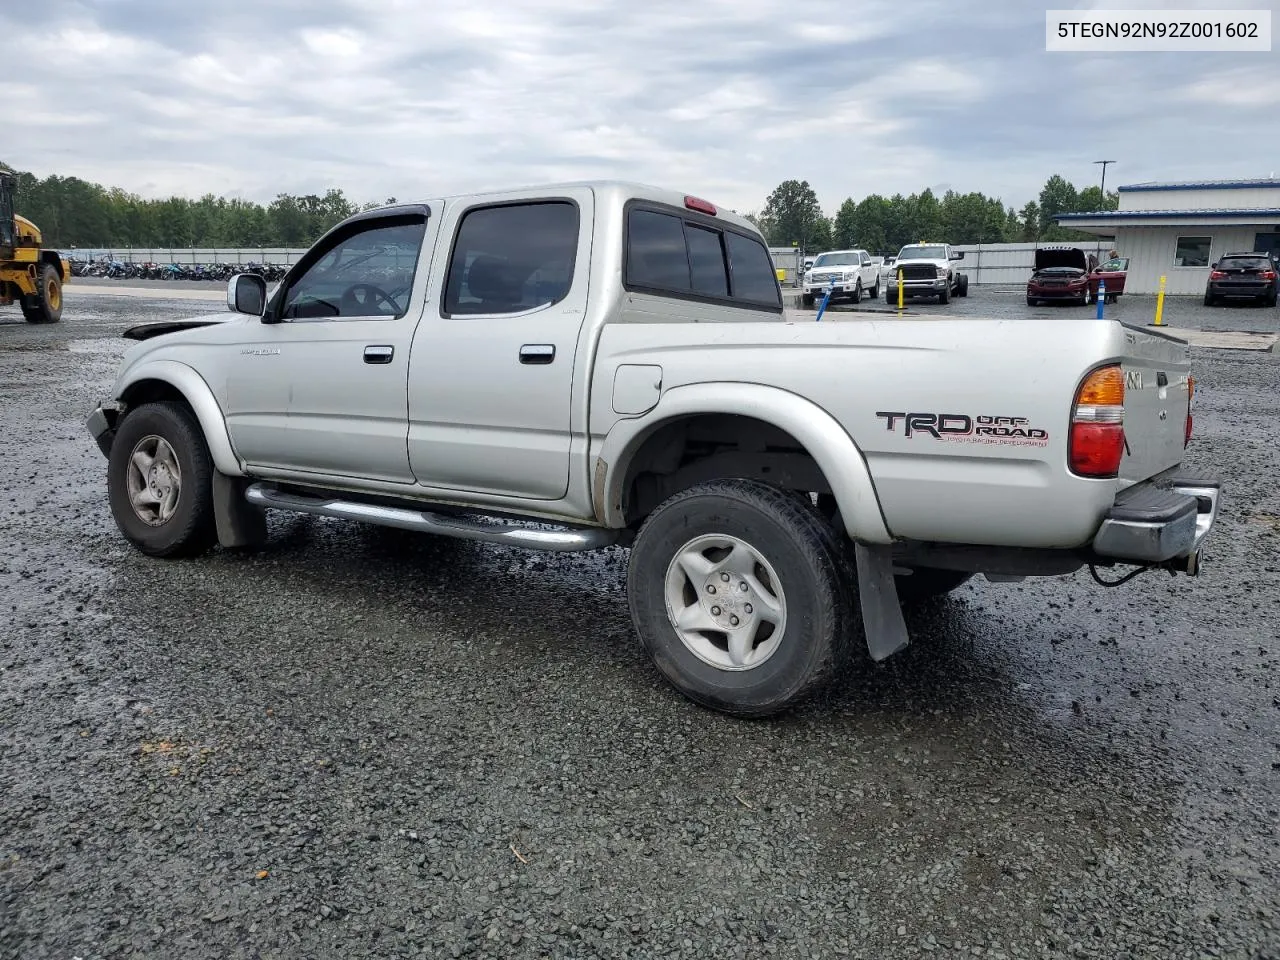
column 839, row 458
column 200, row 397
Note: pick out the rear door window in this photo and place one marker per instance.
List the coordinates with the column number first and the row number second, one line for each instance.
column 512, row 258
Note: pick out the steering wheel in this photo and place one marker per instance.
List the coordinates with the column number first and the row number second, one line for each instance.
column 362, row 299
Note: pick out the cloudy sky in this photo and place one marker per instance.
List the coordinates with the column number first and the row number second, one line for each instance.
column 725, row 98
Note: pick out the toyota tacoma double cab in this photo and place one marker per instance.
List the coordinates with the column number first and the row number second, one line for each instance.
column 927, row 270
column 608, row 365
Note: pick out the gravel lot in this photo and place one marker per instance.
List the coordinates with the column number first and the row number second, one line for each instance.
column 358, row 743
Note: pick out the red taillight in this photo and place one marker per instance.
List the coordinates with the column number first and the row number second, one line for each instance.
column 702, row 206
column 1216, row 275
column 1191, row 392
column 1096, row 445
column 1268, row 274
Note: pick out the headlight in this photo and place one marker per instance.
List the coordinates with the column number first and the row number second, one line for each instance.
column 851, row 274
column 808, row 276
column 942, row 272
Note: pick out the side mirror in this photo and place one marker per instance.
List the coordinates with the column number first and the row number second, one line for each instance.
column 1213, row 266
column 956, row 255
column 247, row 293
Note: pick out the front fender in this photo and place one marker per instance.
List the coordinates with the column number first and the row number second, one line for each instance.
column 198, row 394
column 839, row 458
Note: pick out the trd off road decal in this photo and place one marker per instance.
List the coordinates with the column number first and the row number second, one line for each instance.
column 962, row 428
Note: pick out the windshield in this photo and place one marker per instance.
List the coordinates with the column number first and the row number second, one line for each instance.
column 926, row 252
column 838, row 260
column 1243, row 263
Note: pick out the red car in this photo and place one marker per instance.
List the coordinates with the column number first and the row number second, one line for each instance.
column 1062, row 273
column 1113, row 272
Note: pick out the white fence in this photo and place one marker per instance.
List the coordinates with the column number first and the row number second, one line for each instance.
column 983, row 262
column 286, row 256
column 1012, row 262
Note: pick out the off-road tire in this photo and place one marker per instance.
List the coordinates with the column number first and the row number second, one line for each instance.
column 963, row 289
column 46, row 305
column 815, row 572
column 926, row 583
column 191, row 529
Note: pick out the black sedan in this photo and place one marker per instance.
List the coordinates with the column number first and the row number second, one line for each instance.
column 1250, row 276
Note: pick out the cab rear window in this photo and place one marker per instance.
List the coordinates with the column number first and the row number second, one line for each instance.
column 673, row 255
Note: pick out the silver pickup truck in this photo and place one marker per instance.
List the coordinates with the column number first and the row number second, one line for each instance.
column 605, row 364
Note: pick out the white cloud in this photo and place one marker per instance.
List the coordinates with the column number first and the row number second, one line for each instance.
column 723, row 98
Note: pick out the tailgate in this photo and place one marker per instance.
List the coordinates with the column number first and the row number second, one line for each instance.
column 1156, row 367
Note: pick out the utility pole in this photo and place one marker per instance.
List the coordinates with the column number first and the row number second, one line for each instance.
column 1104, row 179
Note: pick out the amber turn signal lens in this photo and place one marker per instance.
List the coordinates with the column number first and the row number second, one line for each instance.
column 1103, row 387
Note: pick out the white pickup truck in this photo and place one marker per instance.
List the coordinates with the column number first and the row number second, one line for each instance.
column 846, row 274
column 604, row 364
column 927, row 270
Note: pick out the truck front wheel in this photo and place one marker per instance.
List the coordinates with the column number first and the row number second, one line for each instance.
column 944, row 296
column 740, row 594
column 45, row 305
column 160, row 481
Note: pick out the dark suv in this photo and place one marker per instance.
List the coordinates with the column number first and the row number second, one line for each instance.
column 1242, row 275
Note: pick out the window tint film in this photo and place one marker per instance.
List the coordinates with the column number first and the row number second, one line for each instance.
column 512, row 258
column 706, row 260
column 368, row 274
column 656, row 254
column 752, row 271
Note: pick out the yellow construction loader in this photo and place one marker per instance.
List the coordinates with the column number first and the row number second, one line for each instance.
column 29, row 274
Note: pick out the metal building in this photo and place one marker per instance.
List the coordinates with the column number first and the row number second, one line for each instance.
column 1178, row 230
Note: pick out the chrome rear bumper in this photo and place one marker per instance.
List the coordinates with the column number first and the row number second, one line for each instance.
column 1165, row 519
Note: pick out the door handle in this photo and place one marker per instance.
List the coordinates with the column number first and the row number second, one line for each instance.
column 379, row 353
column 537, row 353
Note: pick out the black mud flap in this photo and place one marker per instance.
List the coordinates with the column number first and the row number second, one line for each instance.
column 878, row 593
column 239, row 522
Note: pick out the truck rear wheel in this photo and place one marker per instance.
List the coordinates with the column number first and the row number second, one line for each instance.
column 160, row 481
column 45, row 306
column 740, row 594
column 963, row 289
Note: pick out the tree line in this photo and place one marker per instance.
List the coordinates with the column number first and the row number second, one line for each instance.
column 71, row 212
column 76, row 213
column 792, row 216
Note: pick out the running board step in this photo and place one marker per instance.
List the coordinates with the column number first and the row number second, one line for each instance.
column 511, row 533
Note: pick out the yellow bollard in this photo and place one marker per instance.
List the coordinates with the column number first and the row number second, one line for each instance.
column 1159, row 322
column 899, row 289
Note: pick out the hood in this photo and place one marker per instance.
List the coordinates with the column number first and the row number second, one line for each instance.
column 145, row 331
column 1061, row 259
